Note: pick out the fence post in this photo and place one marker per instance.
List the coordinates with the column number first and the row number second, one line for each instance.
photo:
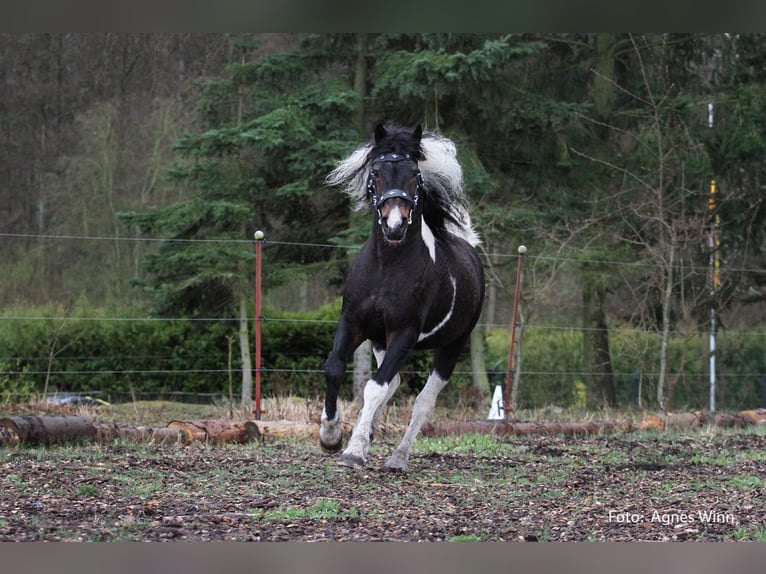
column 258, row 320
column 507, row 406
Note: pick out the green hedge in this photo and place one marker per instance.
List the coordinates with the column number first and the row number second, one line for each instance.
column 119, row 357
column 552, row 367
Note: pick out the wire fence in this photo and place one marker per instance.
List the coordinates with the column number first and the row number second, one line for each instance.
column 637, row 373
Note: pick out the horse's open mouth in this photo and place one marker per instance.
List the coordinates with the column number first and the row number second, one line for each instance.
column 395, row 240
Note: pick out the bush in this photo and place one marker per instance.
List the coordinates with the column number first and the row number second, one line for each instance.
column 15, row 384
column 96, row 351
column 552, row 368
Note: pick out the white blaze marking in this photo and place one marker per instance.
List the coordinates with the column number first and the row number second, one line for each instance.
column 447, row 316
column 428, row 239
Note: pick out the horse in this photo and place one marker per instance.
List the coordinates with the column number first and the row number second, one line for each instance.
column 416, row 283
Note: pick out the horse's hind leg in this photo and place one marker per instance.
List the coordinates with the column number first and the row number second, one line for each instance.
column 421, row 411
column 444, row 364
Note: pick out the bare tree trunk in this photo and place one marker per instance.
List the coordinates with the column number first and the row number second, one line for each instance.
column 666, row 302
column 362, row 369
column 598, row 362
column 244, row 349
column 479, row 378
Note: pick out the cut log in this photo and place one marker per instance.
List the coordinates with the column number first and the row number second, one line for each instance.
column 522, row 428
column 755, row 417
column 282, row 429
column 8, row 437
column 672, row 420
column 47, row 430
column 262, row 430
column 218, row 431
column 729, row 420
column 107, row 433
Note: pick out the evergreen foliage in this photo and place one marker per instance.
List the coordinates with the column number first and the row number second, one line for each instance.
column 593, row 147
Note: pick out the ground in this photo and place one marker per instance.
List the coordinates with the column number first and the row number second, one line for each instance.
column 703, row 484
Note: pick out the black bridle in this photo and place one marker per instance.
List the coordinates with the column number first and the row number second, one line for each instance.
column 391, row 193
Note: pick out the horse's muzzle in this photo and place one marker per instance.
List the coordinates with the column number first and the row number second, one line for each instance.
column 394, row 218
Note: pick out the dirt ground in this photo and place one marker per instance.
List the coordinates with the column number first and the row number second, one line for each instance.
column 706, row 484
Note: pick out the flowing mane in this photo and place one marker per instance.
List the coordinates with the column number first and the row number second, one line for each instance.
column 445, row 207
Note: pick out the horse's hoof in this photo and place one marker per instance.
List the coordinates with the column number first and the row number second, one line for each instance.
column 396, row 464
column 331, row 448
column 331, row 435
column 352, row 461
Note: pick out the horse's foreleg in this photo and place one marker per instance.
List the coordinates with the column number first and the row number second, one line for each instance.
column 377, row 391
column 355, row 454
column 392, row 386
column 331, row 426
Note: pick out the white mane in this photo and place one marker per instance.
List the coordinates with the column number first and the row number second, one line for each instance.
column 440, row 170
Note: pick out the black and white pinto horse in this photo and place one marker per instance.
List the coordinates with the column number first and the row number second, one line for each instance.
column 417, row 282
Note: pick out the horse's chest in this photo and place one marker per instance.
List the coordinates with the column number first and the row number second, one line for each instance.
column 426, row 307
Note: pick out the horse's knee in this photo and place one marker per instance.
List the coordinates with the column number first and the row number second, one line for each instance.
column 334, row 369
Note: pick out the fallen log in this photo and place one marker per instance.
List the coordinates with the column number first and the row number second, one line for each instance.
column 47, row 430
column 282, row 429
column 218, row 431
column 107, row 433
column 730, row 420
column 262, row 430
column 660, row 421
column 8, row 437
column 697, row 419
column 755, row 417
column 672, row 420
column 522, row 428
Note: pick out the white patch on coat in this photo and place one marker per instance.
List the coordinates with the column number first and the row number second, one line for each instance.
column 428, row 238
column 421, row 412
column 374, row 398
column 447, row 316
column 331, row 430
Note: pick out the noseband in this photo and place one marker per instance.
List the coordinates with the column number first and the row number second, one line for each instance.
column 391, row 193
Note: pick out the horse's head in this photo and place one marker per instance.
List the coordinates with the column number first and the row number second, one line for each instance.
column 394, row 183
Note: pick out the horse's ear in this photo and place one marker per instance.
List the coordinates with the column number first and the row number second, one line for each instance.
column 418, row 133
column 380, row 133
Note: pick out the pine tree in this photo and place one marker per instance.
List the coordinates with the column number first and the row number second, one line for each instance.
column 273, row 126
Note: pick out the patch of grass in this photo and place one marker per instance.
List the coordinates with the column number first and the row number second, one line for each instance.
column 712, row 459
column 755, row 534
column 747, row 482
column 88, row 490
column 474, row 444
column 466, row 538
column 323, row 509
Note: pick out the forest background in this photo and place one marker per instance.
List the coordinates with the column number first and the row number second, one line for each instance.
column 136, row 167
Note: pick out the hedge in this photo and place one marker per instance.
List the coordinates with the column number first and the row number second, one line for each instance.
column 121, row 358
